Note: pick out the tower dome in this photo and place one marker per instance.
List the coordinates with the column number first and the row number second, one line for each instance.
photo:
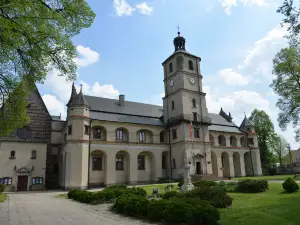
column 179, row 42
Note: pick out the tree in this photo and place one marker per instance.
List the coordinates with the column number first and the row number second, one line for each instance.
column 279, row 146
column 264, row 129
column 286, row 68
column 35, row 37
column 291, row 10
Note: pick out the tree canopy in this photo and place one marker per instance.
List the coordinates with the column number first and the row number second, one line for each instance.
column 291, row 10
column 35, row 37
column 264, row 129
column 286, row 68
column 279, row 147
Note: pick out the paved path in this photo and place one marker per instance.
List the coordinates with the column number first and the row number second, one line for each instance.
column 46, row 209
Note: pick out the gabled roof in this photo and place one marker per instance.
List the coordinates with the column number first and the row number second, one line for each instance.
column 130, row 108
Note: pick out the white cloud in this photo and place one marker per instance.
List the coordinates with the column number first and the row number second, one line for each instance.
column 233, row 78
column 86, row 56
column 54, row 106
column 123, row 8
column 144, row 8
column 228, row 4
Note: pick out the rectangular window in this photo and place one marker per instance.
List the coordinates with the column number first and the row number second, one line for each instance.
column 195, row 116
column 162, row 136
column 69, row 129
column 119, row 162
column 119, row 134
column 250, row 141
column 86, row 129
column 196, row 133
column 97, row 163
column 97, row 133
column 164, row 162
column 142, row 136
column 174, row 164
column 174, row 134
column 194, row 102
column 141, row 162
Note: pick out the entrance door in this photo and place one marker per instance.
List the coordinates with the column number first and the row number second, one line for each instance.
column 198, row 167
column 22, row 183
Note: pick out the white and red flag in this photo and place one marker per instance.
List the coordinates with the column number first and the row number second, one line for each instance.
column 191, row 130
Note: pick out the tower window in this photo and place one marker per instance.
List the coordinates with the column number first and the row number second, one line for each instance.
column 173, row 105
column 250, row 141
column 86, row 129
column 196, row 133
column 162, row 136
column 170, row 68
column 194, row 102
column 195, row 116
column 174, row 134
column 33, row 154
column 69, row 129
column 12, row 155
column 191, row 65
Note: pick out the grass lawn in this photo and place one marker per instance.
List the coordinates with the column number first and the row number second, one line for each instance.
column 161, row 187
column 269, row 208
column 275, row 177
column 2, row 197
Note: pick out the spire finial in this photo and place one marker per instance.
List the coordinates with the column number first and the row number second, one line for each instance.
column 178, row 27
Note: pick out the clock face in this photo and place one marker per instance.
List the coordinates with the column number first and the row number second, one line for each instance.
column 192, row 80
column 171, row 83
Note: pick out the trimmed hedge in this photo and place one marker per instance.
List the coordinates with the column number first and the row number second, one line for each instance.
column 252, row 186
column 171, row 194
column 204, row 183
column 155, row 210
column 216, row 196
column 1, row 188
column 290, row 185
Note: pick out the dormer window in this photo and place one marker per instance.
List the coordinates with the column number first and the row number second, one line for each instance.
column 170, row 68
column 12, row 155
column 191, row 65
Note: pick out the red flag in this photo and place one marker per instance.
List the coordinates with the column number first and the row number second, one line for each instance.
column 191, row 130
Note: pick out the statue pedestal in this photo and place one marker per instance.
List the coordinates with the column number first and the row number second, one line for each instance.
column 187, row 187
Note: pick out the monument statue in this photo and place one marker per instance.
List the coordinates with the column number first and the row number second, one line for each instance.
column 187, row 185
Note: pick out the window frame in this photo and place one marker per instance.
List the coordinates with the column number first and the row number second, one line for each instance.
column 86, row 129
column 174, row 134
column 142, row 136
column 32, row 155
column 196, row 133
column 12, row 154
column 143, row 160
column 95, row 165
column 194, row 103
column 191, row 65
column 119, row 162
column 97, row 135
column 119, row 134
column 250, row 142
column 195, row 117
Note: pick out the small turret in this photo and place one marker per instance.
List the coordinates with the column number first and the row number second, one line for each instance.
column 80, row 100
column 247, row 126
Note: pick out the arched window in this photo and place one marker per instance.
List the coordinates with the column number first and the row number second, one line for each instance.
column 170, row 68
column 119, row 134
column 222, row 140
column 33, row 154
column 194, row 102
column 97, row 133
column 191, row 65
column 162, row 136
column 233, row 141
column 12, row 154
column 173, row 105
column 142, row 136
column 242, row 141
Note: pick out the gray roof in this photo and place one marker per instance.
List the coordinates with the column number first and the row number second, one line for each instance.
column 130, row 108
column 219, row 123
column 126, row 118
column 245, row 123
column 134, row 112
column 79, row 100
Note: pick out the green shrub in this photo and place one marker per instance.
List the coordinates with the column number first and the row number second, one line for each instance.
column 226, row 186
column 176, row 211
column 204, row 214
column 204, row 183
column 117, row 186
column 142, row 207
column 1, row 188
column 155, row 211
column 252, row 186
column 70, row 193
column 120, row 204
column 217, row 197
column 130, row 207
column 83, row 196
column 99, row 197
column 180, row 182
column 171, row 194
column 290, row 185
column 138, row 191
column 109, row 195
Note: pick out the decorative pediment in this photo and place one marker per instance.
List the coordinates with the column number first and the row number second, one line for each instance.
column 24, row 170
column 197, row 156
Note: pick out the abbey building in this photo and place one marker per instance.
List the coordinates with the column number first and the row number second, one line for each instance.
column 109, row 141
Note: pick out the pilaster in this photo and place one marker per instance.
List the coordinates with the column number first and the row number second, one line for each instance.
column 242, row 164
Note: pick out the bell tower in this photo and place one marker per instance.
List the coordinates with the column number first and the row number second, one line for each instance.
column 185, row 112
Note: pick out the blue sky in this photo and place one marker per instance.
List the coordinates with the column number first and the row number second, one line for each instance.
column 122, row 52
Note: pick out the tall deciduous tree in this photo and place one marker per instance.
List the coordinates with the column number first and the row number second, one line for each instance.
column 264, row 129
column 286, row 68
column 279, row 146
column 35, row 36
column 291, row 10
